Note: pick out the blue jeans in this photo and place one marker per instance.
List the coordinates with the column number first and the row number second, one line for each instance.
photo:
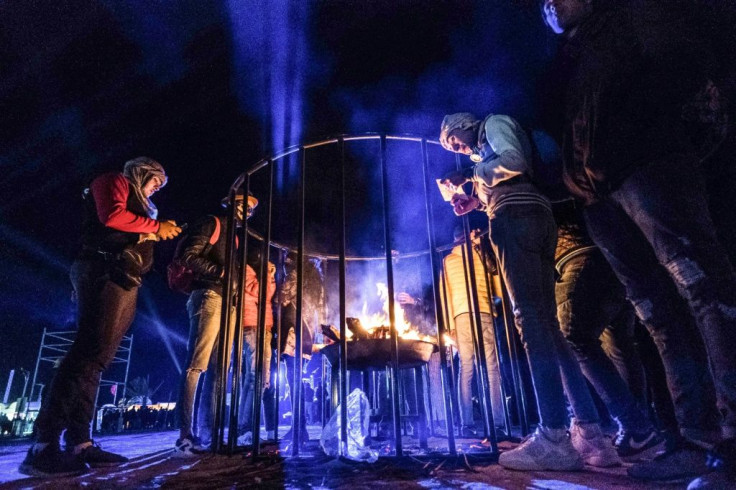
column 247, row 393
column 204, row 307
column 656, row 232
column 524, row 237
column 590, row 299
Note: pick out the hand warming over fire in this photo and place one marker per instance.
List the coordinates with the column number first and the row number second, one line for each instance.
column 463, row 204
column 406, row 299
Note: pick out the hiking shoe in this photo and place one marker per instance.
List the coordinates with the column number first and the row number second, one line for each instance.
column 685, row 461
column 639, row 446
column 52, row 461
column 96, row 457
column 188, row 447
column 595, row 448
column 544, row 449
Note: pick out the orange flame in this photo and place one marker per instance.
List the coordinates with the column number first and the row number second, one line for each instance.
column 404, row 328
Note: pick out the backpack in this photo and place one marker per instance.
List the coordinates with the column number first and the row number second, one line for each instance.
column 179, row 276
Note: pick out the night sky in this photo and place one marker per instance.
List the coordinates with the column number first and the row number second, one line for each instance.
column 208, row 89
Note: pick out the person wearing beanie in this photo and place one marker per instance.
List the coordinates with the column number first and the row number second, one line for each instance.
column 119, row 229
column 523, row 236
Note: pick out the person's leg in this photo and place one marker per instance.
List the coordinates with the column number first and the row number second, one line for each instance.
column 494, row 371
column 245, row 417
column 524, row 238
column 661, row 309
column 582, row 309
column 619, row 343
column 465, row 376
column 101, row 329
column 207, row 405
column 668, row 204
column 204, row 308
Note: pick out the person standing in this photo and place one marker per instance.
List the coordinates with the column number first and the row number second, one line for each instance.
column 523, row 235
column 251, row 311
column 457, row 286
column 118, row 232
column 627, row 155
column 203, row 252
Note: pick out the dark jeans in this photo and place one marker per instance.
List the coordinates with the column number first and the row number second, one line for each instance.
column 657, row 234
column 591, row 300
column 104, row 314
column 524, row 237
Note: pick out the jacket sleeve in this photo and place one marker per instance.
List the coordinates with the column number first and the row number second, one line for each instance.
column 251, row 282
column 194, row 247
column 502, row 134
column 110, row 193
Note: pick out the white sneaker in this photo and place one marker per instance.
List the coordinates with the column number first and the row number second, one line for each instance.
column 595, row 448
column 544, row 449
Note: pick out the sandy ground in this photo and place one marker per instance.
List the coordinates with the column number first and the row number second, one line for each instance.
column 152, row 466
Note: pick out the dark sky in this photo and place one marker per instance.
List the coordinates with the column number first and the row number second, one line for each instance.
column 208, row 89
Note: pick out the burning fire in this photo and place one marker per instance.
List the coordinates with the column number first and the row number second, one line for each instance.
column 372, row 322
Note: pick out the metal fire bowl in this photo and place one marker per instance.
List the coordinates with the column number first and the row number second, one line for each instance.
column 376, row 353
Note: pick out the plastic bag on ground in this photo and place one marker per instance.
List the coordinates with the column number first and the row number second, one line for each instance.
column 358, row 430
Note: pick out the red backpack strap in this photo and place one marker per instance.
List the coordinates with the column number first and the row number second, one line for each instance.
column 216, row 234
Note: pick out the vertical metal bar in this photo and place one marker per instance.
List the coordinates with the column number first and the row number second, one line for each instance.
column 277, row 377
column 514, row 355
column 296, row 387
column 391, row 307
column 343, row 362
column 262, row 305
column 223, row 347
column 497, row 340
column 127, row 365
column 439, row 318
column 237, row 335
column 480, row 351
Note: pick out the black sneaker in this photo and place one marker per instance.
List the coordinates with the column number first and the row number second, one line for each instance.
column 188, row 447
column 686, row 461
column 52, row 461
column 633, row 446
column 96, row 457
column 722, row 461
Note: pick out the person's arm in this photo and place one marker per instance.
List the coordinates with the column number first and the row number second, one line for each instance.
column 251, row 282
column 194, row 248
column 110, row 194
column 502, row 134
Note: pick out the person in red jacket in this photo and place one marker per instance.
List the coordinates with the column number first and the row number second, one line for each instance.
column 251, row 309
column 119, row 229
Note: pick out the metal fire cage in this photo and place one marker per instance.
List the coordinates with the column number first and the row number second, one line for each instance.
column 348, row 156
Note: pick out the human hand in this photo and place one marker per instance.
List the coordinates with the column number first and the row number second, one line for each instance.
column 167, row 230
column 455, row 178
column 463, row 204
column 405, row 299
column 145, row 237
